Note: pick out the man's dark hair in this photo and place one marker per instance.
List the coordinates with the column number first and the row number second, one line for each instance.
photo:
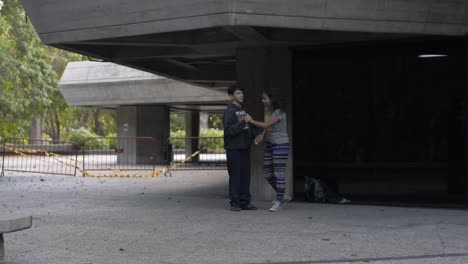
column 232, row 88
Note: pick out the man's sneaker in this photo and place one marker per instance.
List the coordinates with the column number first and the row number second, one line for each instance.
column 276, row 206
column 248, row 207
column 235, row 208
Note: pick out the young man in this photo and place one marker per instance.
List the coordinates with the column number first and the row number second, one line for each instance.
column 238, row 137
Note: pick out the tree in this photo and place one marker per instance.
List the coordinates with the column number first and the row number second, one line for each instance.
column 29, row 75
column 26, row 77
column 30, row 101
column 53, row 119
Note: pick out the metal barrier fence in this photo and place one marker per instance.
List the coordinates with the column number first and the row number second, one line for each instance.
column 211, row 157
column 110, row 154
column 39, row 156
column 119, row 154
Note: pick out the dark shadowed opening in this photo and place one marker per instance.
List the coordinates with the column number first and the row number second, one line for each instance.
column 386, row 119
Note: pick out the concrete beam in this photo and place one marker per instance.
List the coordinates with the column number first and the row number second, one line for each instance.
column 147, row 53
column 247, row 34
column 213, row 73
column 108, row 84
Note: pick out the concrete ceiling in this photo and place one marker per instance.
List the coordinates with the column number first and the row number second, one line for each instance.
column 196, row 40
column 206, row 56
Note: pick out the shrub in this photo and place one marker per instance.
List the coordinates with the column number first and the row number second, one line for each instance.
column 78, row 136
column 177, row 143
column 110, row 141
column 216, row 143
column 211, row 132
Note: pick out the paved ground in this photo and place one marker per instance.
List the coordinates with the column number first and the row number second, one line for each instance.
column 184, row 219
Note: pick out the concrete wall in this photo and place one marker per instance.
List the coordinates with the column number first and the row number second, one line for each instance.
column 126, row 127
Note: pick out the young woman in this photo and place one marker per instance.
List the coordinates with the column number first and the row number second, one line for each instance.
column 276, row 148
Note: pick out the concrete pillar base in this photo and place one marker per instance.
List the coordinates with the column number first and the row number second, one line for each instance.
column 2, row 247
column 192, row 130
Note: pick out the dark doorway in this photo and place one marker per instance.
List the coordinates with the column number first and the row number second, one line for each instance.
column 386, row 119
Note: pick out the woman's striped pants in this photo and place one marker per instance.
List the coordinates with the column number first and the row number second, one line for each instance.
column 275, row 158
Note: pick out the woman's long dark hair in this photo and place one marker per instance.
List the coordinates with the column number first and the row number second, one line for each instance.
column 277, row 100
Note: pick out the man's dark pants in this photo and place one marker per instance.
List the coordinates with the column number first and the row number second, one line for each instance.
column 238, row 163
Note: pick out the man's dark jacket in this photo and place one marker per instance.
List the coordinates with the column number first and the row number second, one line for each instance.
column 235, row 135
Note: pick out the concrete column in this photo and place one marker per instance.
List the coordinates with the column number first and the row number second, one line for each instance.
column 257, row 69
column 126, row 127
column 279, row 76
column 153, row 121
column 192, row 131
column 204, row 120
column 126, row 121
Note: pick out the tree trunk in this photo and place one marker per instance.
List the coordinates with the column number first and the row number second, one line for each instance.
column 97, row 123
column 52, row 125
column 85, row 119
column 36, row 129
column 57, row 126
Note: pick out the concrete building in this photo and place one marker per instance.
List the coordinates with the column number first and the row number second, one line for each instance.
column 142, row 101
column 381, row 83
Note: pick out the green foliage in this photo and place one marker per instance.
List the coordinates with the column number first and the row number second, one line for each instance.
column 211, row 132
column 112, row 135
column 215, row 141
column 78, row 137
column 177, row 122
column 27, row 78
column 215, row 121
column 107, row 120
column 178, row 139
column 177, row 134
column 29, row 73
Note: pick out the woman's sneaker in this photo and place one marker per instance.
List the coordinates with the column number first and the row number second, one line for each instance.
column 344, row 201
column 276, row 206
column 286, row 198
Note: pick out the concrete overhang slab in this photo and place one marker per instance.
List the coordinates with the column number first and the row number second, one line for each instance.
column 196, row 40
column 107, row 84
column 62, row 21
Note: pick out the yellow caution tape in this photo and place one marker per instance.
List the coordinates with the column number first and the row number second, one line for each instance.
column 24, row 152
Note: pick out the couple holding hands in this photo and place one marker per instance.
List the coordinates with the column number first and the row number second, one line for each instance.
column 239, row 131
